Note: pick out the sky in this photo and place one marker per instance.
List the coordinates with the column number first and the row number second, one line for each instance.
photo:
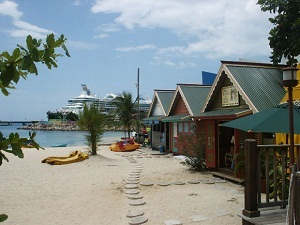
column 170, row 41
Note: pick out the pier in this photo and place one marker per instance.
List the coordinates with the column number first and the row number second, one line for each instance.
column 11, row 123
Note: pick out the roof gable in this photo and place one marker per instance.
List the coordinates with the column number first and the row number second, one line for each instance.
column 189, row 98
column 259, row 85
column 161, row 102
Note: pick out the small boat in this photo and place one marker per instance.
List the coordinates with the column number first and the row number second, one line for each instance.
column 124, row 146
column 59, row 146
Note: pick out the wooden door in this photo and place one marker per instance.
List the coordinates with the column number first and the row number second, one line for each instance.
column 211, row 153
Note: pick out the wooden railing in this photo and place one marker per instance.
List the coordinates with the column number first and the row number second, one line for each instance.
column 269, row 163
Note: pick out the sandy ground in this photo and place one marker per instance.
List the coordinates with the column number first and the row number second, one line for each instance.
column 93, row 191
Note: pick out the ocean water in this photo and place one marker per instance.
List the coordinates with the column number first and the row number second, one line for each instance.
column 71, row 138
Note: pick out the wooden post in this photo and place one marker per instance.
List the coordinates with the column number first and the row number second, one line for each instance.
column 251, row 154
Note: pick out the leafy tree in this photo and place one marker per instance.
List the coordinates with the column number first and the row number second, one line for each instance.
column 72, row 116
column 193, row 147
column 284, row 38
column 54, row 115
column 125, row 110
column 92, row 120
column 18, row 65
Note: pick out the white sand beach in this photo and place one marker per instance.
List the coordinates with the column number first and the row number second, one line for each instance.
column 92, row 192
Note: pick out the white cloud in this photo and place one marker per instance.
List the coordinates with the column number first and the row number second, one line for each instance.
column 178, row 65
column 218, row 28
column 136, row 48
column 10, row 8
column 101, row 36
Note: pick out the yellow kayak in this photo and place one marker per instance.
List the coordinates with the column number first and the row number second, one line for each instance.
column 124, row 146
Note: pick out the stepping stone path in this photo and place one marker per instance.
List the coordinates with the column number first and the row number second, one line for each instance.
column 137, row 202
column 134, row 213
column 131, row 186
column 164, row 184
column 172, row 222
column 132, row 182
column 146, row 183
column 194, row 182
column 138, row 220
column 208, row 182
column 133, row 179
column 134, row 196
column 132, row 191
column 178, row 183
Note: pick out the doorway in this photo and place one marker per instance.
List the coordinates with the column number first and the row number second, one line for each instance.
column 225, row 135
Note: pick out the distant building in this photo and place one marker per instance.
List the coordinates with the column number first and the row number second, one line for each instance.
column 208, row 78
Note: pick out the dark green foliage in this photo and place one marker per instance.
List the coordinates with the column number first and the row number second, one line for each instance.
column 193, row 146
column 58, row 115
column 126, row 110
column 92, row 120
column 19, row 64
column 23, row 60
column 284, row 38
column 3, row 217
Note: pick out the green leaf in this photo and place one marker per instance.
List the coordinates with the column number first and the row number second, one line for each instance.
column 7, row 75
column 3, row 217
column 35, row 55
column 29, row 43
column 6, row 55
column 50, row 40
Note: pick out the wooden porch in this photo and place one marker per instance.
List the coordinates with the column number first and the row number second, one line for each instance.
column 280, row 202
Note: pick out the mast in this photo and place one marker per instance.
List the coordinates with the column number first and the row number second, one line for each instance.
column 138, row 100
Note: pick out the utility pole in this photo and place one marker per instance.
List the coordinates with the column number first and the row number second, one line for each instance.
column 138, row 101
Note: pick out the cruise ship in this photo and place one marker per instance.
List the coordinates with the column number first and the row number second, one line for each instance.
column 76, row 104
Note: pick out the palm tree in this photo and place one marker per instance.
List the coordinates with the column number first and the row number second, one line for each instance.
column 125, row 110
column 92, row 120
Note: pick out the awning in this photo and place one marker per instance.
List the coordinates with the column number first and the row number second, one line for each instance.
column 176, row 118
column 224, row 113
column 152, row 119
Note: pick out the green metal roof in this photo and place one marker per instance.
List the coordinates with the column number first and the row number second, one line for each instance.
column 224, row 112
column 262, row 85
column 165, row 98
column 176, row 118
column 195, row 96
column 152, row 118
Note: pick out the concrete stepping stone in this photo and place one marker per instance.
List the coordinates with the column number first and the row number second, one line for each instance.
column 138, row 220
column 132, row 181
column 148, row 156
column 194, row 181
column 166, row 156
column 132, row 191
column 198, row 218
column 138, row 196
column 178, row 183
column 131, row 186
column 134, row 213
column 221, row 212
column 139, row 157
column 134, row 175
column 164, row 183
column 136, row 172
column 135, row 202
column 208, row 182
column 172, row 222
column 146, row 183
